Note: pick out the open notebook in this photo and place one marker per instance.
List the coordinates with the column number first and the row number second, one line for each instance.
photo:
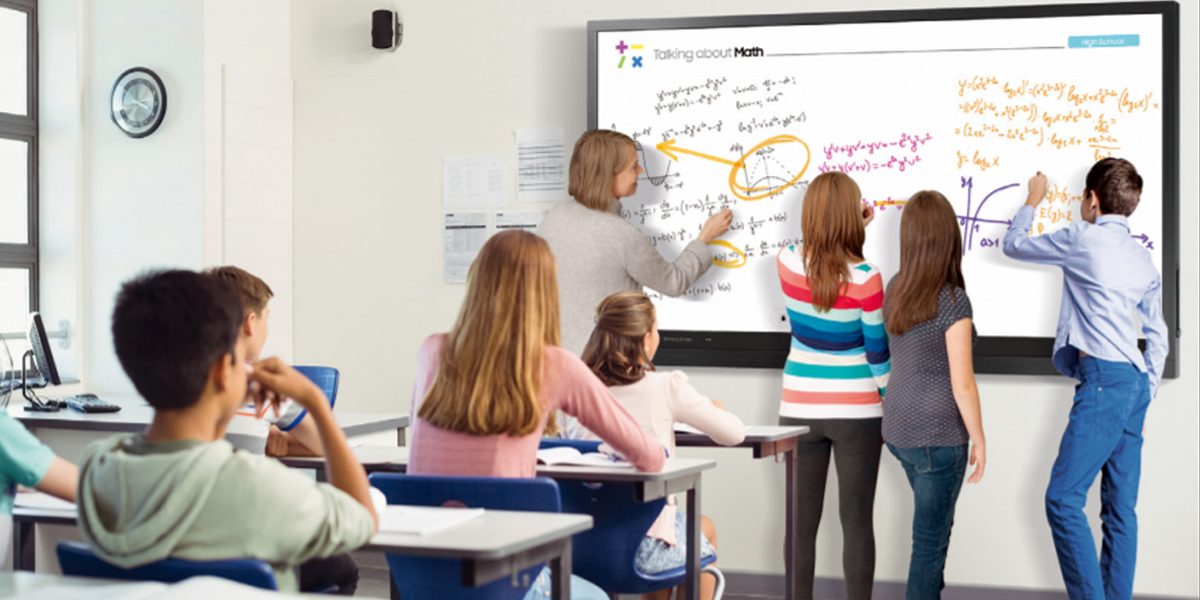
column 571, row 457
column 423, row 520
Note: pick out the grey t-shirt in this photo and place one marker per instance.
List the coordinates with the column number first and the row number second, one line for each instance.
column 919, row 409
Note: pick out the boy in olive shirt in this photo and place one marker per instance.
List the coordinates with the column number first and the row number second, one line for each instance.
column 179, row 489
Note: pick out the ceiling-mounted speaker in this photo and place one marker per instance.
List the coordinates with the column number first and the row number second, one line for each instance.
column 386, row 29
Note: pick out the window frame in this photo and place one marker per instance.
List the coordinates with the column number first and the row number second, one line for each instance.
column 25, row 128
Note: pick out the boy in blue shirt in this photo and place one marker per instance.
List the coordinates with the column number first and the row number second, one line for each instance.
column 1106, row 277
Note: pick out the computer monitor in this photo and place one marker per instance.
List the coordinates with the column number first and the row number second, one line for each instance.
column 39, row 354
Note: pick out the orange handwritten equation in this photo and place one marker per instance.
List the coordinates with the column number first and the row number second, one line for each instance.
column 1061, row 115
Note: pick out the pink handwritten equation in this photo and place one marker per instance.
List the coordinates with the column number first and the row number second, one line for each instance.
column 907, row 141
column 867, row 165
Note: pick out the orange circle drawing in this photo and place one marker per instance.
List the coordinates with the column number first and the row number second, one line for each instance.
column 750, row 195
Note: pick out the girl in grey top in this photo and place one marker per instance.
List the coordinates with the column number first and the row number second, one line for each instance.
column 931, row 412
column 598, row 252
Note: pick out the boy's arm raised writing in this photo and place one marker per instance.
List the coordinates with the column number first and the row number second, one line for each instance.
column 1051, row 248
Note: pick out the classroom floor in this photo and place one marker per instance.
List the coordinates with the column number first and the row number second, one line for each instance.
column 373, row 579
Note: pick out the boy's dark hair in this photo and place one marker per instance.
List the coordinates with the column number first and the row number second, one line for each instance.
column 253, row 292
column 1117, row 185
column 168, row 328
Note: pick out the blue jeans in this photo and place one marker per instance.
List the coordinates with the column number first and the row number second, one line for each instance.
column 936, row 475
column 1104, row 435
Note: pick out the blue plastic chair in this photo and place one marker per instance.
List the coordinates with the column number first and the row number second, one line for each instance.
column 420, row 578
column 606, row 554
column 79, row 560
column 326, row 378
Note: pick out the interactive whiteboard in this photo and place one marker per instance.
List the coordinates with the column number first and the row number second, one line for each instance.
column 742, row 112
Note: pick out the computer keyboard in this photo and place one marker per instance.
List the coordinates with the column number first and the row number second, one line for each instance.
column 89, row 403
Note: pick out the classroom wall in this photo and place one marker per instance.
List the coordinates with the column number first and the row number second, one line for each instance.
column 143, row 199
column 370, row 130
column 248, row 149
column 113, row 206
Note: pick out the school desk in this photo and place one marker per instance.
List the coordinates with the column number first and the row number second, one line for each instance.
column 769, row 441
column 135, row 414
column 679, row 475
column 498, row 544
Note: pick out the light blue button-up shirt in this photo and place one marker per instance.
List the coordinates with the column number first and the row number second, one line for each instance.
column 1106, row 276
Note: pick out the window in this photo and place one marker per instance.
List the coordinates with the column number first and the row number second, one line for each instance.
column 18, row 168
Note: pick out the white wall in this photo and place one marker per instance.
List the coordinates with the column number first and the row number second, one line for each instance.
column 113, row 206
column 60, row 124
column 371, row 128
column 248, row 149
column 143, row 199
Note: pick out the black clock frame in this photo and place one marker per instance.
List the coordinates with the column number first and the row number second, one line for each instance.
column 162, row 114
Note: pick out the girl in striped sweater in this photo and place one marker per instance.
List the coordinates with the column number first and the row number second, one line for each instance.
column 836, row 374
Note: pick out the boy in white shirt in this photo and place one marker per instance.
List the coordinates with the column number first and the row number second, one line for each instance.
column 281, row 432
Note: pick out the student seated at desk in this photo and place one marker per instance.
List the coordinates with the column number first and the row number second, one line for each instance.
column 263, row 432
column 485, row 391
column 257, row 429
column 180, row 490
column 619, row 353
column 27, row 461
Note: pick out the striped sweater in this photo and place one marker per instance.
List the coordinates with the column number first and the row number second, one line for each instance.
column 839, row 362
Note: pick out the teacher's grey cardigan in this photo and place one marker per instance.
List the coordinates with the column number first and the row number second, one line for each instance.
column 600, row 254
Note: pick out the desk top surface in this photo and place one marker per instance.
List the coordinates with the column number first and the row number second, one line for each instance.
column 755, row 434
column 23, row 584
column 135, row 414
column 378, row 457
column 495, row 534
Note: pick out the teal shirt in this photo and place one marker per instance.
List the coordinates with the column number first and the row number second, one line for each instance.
column 23, row 460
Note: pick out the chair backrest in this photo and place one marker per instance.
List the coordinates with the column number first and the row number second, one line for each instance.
column 79, row 560
column 420, row 578
column 326, row 378
column 580, row 445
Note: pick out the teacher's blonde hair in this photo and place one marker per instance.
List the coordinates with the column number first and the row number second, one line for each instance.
column 598, row 156
column 489, row 379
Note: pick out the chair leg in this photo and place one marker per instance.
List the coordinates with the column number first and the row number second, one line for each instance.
column 715, row 572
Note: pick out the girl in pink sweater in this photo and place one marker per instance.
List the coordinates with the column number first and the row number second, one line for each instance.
column 485, row 391
column 619, row 353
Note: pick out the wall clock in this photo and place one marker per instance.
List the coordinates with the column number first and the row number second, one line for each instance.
column 139, row 102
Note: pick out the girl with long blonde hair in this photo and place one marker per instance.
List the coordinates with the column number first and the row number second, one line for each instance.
column 485, row 391
column 836, row 374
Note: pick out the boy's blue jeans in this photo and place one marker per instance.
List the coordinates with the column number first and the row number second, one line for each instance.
column 1104, row 435
column 936, row 476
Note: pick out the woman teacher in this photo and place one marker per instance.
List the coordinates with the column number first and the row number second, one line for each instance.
column 598, row 252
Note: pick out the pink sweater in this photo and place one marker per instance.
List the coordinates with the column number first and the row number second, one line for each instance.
column 567, row 385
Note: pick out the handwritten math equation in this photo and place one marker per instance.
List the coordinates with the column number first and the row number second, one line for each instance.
column 1061, row 115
